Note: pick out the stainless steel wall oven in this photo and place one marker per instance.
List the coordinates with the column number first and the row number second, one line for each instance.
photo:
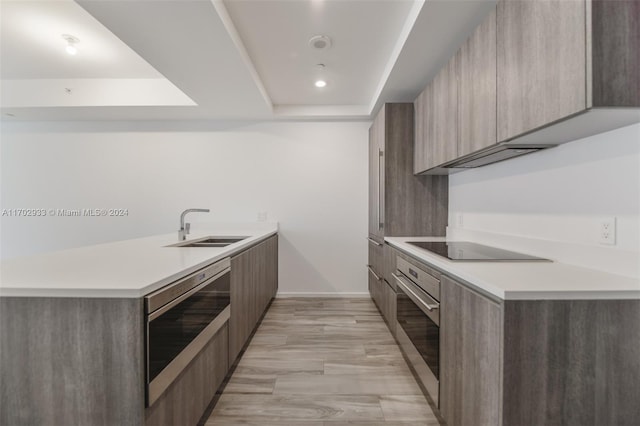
column 181, row 318
column 418, row 322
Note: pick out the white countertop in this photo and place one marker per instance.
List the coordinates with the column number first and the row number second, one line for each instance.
column 527, row 280
column 130, row 268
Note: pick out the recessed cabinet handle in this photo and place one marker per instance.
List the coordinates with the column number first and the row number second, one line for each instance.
column 374, row 242
column 373, row 273
column 380, row 218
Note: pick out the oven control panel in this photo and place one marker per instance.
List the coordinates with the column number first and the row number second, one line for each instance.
column 420, row 277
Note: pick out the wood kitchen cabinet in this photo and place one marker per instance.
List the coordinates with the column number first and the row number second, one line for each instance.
column 190, row 395
column 72, row 361
column 388, row 305
column 384, row 296
column 436, row 120
column 559, row 58
column 533, row 73
column 470, row 335
column 400, row 204
column 537, row 362
column 254, row 282
column 541, row 63
column 376, row 176
column 477, row 92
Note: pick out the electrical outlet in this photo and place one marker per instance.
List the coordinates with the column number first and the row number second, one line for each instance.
column 459, row 220
column 607, row 233
column 262, row 216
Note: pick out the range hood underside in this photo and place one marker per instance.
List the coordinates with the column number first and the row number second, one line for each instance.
column 584, row 124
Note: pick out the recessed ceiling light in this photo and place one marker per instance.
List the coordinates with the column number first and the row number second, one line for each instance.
column 71, row 43
column 320, row 42
column 320, row 83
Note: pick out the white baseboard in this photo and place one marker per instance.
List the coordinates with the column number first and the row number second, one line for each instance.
column 284, row 295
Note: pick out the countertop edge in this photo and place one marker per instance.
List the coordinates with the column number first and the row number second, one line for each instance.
column 508, row 295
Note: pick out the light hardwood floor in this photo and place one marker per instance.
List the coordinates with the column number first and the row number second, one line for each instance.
column 322, row 362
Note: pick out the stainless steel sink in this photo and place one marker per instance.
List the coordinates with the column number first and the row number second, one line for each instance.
column 210, row 242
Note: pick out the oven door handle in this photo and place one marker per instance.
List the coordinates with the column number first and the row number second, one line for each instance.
column 155, row 314
column 413, row 296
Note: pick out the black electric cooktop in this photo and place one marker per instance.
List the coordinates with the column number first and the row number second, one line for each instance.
column 463, row 250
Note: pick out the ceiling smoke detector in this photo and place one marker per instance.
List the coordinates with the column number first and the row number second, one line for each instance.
column 320, row 42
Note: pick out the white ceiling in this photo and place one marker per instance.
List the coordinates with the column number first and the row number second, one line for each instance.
column 33, row 47
column 276, row 35
column 38, row 73
column 211, row 60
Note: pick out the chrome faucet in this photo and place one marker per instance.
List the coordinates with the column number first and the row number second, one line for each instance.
column 186, row 227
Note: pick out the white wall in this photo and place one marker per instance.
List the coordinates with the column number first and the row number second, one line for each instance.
column 309, row 177
column 551, row 203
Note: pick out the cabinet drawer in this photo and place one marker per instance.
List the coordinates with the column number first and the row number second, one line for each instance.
column 376, row 255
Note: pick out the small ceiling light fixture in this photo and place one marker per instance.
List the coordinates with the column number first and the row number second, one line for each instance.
column 71, row 43
column 320, row 42
column 320, row 81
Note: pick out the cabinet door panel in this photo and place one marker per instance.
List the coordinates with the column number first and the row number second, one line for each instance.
column 376, row 257
column 389, row 305
column 374, row 288
column 444, row 146
column 242, row 300
column 376, row 176
column 254, row 275
column 374, row 182
column 420, row 155
column 477, row 90
column 389, row 254
column 436, row 120
column 541, row 63
column 470, row 342
column 272, row 267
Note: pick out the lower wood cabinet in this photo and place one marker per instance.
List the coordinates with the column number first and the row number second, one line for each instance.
column 254, row 282
column 188, row 397
column 388, row 305
column 537, row 362
column 71, row 361
column 470, row 335
column 81, row 361
column 384, row 296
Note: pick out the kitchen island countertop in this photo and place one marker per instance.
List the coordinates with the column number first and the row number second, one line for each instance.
column 122, row 269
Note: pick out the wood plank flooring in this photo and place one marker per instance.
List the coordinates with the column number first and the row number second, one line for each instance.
column 322, row 362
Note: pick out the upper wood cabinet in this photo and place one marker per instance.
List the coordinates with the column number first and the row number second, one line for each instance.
column 401, row 204
column 541, row 63
column 436, row 120
column 477, row 89
column 615, row 53
column 559, row 58
column 535, row 72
